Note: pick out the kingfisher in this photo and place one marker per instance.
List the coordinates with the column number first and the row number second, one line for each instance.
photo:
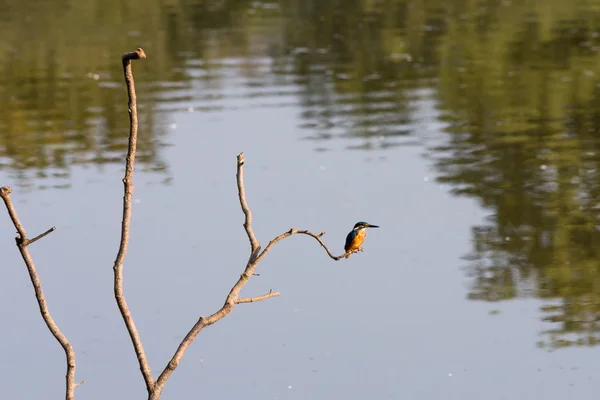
column 356, row 237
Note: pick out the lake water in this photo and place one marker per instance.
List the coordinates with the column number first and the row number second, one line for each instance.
column 469, row 132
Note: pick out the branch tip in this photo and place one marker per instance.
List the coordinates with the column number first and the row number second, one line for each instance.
column 257, row 298
column 138, row 54
column 5, row 191
column 41, row 235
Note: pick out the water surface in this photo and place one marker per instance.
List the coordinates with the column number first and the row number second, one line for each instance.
column 467, row 131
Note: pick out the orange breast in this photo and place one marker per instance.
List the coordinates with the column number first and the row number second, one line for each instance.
column 358, row 239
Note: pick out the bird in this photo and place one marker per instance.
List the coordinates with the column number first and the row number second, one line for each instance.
column 356, row 237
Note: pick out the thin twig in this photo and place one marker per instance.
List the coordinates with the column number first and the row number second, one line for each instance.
column 128, row 192
column 22, row 243
column 41, row 235
column 257, row 298
column 298, row 232
column 242, row 195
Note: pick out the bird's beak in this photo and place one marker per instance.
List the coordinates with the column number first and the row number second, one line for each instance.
column 373, row 226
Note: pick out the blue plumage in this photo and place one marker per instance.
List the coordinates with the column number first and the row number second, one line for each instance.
column 350, row 238
column 356, row 237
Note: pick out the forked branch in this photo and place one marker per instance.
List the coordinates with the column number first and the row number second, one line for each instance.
column 155, row 387
column 233, row 297
column 22, row 243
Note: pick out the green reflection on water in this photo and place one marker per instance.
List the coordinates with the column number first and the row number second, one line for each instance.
column 62, row 94
column 519, row 89
column 516, row 82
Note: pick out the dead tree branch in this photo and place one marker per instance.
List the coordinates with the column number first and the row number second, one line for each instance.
column 22, row 243
column 257, row 298
column 153, row 387
column 233, row 296
column 41, row 235
column 128, row 192
column 242, row 195
column 298, row 232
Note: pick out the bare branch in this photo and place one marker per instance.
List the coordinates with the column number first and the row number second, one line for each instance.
column 202, row 323
column 22, row 243
column 232, row 297
column 297, row 232
column 128, row 192
column 257, row 298
column 5, row 192
column 41, row 235
column 254, row 255
column 242, row 195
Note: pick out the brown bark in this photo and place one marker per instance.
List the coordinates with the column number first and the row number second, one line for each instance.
column 22, row 243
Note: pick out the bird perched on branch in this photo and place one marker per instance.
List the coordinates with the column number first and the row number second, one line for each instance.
column 356, row 237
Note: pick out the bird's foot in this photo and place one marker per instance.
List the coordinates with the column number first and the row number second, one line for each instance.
column 350, row 252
